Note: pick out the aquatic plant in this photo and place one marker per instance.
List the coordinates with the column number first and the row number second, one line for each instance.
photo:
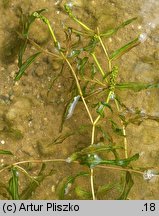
column 97, row 88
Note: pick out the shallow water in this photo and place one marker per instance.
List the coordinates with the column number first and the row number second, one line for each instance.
column 30, row 118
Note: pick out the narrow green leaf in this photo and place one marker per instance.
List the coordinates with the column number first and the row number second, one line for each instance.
column 26, row 22
column 13, row 184
column 127, row 22
column 35, row 183
column 74, row 53
column 93, row 70
column 124, row 49
column 60, row 139
column 91, row 45
column 25, row 65
column 105, row 134
column 116, row 128
column 109, row 32
column 81, row 64
column 127, row 186
column 30, row 19
column 136, row 86
column 105, row 188
column 82, row 194
column 21, row 53
column 92, row 160
column 66, row 184
column 6, row 152
column 100, row 109
column 91, row 150
column 101, row 106
column 85, row 87
column 89, row 157
column 121, row 162
column 107, row 105
column 112, row 31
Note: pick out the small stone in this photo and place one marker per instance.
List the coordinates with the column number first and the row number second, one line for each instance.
column 2, row 142
column 56, row 65
column 143, row 37
column 39, row 71
column 20, row 108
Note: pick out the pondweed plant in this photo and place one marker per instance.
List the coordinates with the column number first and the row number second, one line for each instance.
column 97, row 87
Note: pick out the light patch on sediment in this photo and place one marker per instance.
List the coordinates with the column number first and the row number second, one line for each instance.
column 149, row 13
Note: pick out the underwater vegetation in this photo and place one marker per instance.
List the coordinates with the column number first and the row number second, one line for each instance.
column 96, row 87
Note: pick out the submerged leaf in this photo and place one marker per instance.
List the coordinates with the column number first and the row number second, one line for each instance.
column 127, row 186
column 13, row 184
column 124, row 49
column 66, row 184
column 91, row 150
column 93, row 70
column 100, row 110
column 71, row 107
column 26, row 22
column 25, row 65
column 82, row 194
column 6, row 152
column 105, row 134
column 74, row 53
column 101, row 106
column 91, row 45
column 92, row 160
column 60, row 139
column 34, row 184
column 105, row 188
column 30, row 19
column 116, row 128
column 112, row 31
column 88, row 157
column 69, row 110
column 81, row 64
column 136, row 86
column 21, row 53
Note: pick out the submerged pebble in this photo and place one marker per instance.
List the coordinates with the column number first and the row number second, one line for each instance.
column 39, row 71
column 143, row 37
column 2, row 142
column 20, row 108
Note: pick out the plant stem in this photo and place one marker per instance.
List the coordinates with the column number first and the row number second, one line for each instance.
column 98, row 65
column 32, row 161
column 124, row 132
column 79, row 87
column 64, row 160
column 120, row 169
column 105, row 51
column 92, row 184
